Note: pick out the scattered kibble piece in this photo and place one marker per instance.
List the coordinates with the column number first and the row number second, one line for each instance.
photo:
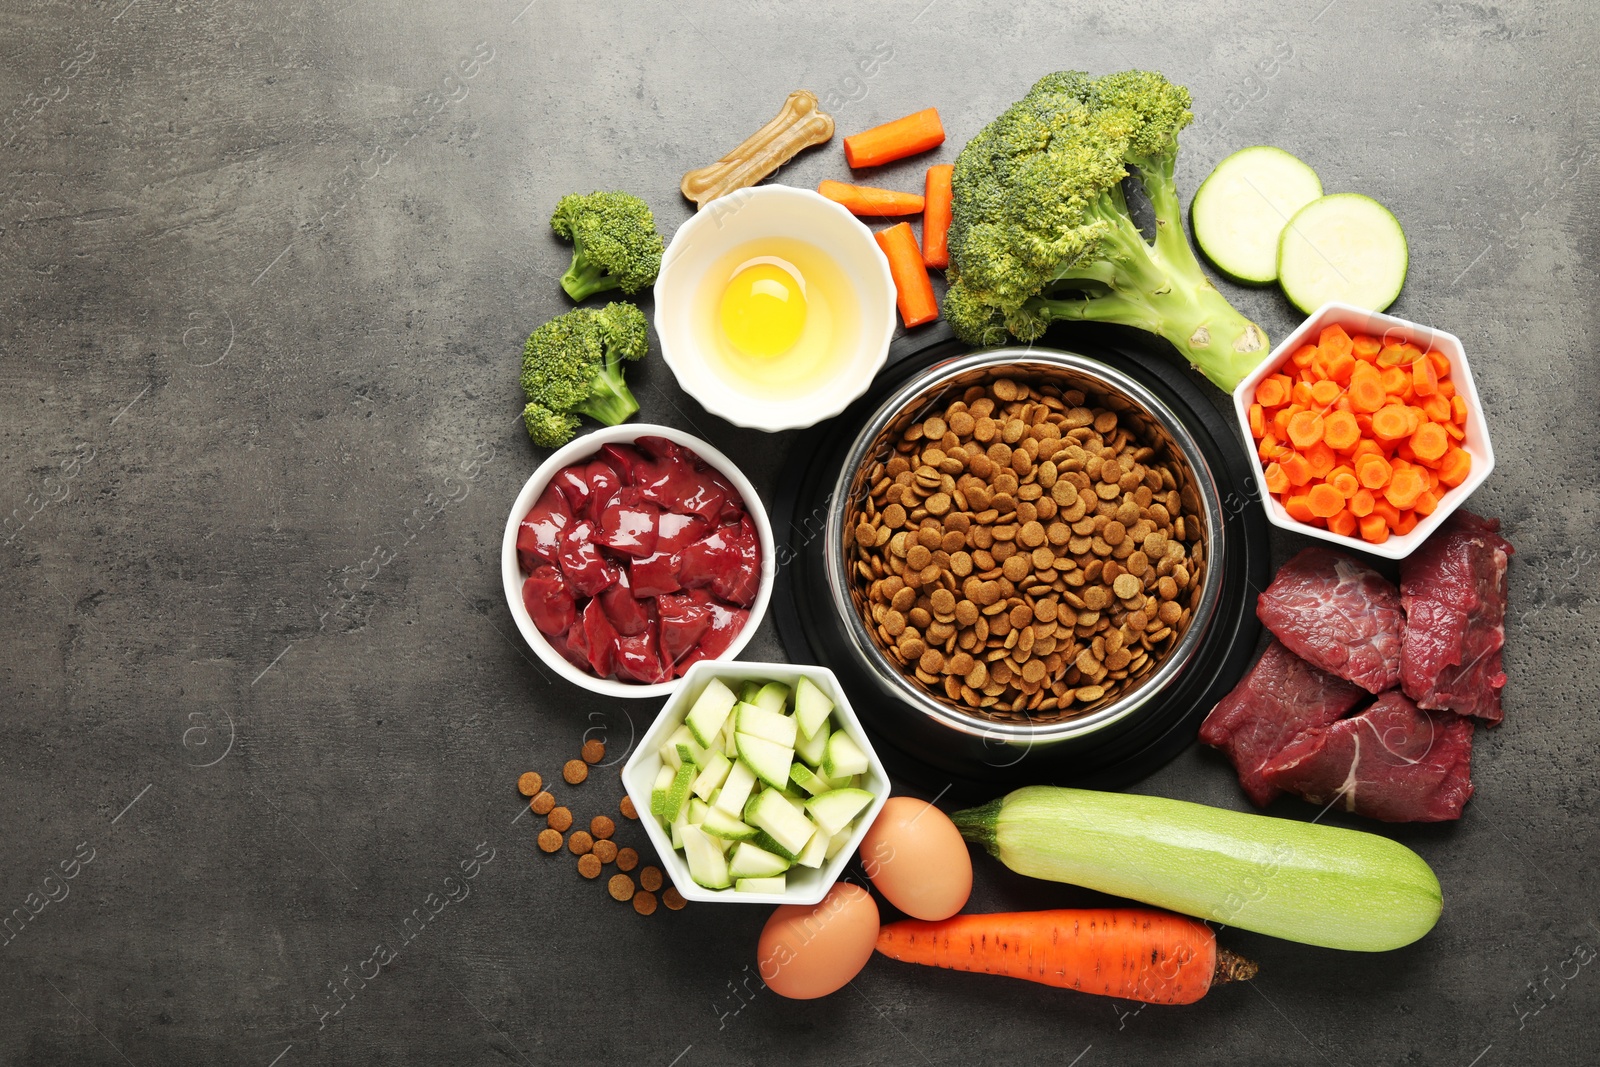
column 650, row 878
column 542, row 803
column 549, row 840
column 627, row 859
column 628, row 809
column 644, row 902
column 620, row 887
column 560, row 819
column 605, row 850
column 602, row 827
column 673, row 899
column 530, row 784
column 589, row 866
column 574, row 771
column 580, row 842
column 594, row 751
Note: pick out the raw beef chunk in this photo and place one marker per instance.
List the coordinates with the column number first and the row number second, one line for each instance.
column 1337, row 614
column 1454, row 592
column 1394, row 762
column 1281, row 696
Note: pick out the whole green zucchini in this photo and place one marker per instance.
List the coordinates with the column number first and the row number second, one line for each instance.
column 1319, row 885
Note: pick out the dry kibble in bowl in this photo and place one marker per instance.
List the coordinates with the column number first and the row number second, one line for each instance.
column 1024, row 555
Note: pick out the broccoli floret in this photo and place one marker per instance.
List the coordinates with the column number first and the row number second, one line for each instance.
column 614, row 239
column 1041, row 230
column 572, row 365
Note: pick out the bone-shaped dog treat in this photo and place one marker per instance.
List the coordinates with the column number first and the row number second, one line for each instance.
column 799, row 125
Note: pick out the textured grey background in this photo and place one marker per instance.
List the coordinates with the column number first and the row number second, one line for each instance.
column 263, row 274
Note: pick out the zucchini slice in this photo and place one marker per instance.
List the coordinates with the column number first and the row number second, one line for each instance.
column 1345, row 247
column 1239, row 211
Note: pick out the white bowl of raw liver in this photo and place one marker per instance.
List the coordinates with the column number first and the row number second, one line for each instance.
column 632, row 553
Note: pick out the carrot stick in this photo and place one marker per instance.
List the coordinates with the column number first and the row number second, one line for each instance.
column 1131, row 953
column 869, row 199
column 936, row 216
column 915, row 133
column 913, row 290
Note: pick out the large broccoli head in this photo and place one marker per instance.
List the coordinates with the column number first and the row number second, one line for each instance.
column 1041, row 231
column 572, row 365
column 615, row 243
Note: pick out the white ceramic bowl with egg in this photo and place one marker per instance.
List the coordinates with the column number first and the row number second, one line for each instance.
column 845, row 282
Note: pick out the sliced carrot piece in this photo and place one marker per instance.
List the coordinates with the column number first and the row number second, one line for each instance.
column 1339, row 368
column 1374, row 530
column 1344, row 483
column 1430, row 442
column 1343, row 524
column 1437, row 408
column 1395, row 381
column 1333, row 340
column 1373, row 471
column 1426, row 504
column 1455, row 467
column 1365, row 447
column 1280, row 420
column 1305, row 429
column 1366, row 393
column 1404, row 488
column 1340, row 431
column 1364, row 347
column 1424, row 382
column 1270, row 392
column 1361, row 502
column 1388, row 511
column 1455, row 431
column 1407, row 523
column 1324, row 501
column 1258, row 422
column 1303, row 356
column 1441, row 364
column 1392, row 355
column 1447, row 388
column 1301, row 394
column 1276, row 480
column 1391, row 423
column 1325, row 392
column 1458, row 410
column 1321, row 458
column 1296, row 468
column 1299, row 509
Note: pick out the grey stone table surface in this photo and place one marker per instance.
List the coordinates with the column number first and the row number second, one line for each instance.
column 264, row 272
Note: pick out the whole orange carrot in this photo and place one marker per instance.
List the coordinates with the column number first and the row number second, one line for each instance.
column 1130, row 953
column 936, row 216
column 915, row 133
column 913, row 290
column 869, row 199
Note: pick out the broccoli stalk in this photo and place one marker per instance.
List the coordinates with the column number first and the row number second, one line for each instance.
column 572, row 365
column 1041, row 229
column 614, row 243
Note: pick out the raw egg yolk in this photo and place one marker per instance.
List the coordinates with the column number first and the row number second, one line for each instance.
column 763, row 311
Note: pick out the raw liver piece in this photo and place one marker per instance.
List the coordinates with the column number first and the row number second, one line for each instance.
column 1394, row 762
column 539, row 533
column 548, row 601
column 1454, row 592
column 1282, row 696
column 1337, row 614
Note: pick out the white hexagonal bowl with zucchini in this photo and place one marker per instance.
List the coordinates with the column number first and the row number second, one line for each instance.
column 756, row 783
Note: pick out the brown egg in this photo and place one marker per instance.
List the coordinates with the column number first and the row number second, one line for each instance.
column 915, row 856
column 807, row 952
